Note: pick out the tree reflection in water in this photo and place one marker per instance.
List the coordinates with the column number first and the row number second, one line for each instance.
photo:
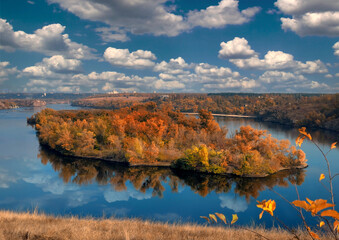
column 83, row 171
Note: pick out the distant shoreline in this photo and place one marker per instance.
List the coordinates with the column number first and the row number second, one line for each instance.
column 223, row 115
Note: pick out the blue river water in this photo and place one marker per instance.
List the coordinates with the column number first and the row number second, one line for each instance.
column 32, row 177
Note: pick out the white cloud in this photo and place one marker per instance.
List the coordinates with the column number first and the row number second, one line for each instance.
column 111, row 34
column 53, row 67
column 113, row 196
column 310, row 17
column 303, row 6
column 168, row 85
column 204, row 69
column 5, row 72
column 336, row 48
column 328, row 76
column 48, row 40
column 123, row 58
column 231, row 83
column 273, row 60
column 6, row 178
column 154, row 17
column 278, row 76
column 234, row 203
column 236, row 48
column 174, row 66
column 225, row 13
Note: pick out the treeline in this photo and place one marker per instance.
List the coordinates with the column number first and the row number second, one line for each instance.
column 146, row 134
column 311, row 110
column 15, row 103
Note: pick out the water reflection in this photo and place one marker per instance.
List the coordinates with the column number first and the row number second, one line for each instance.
column 320, row 136
column 81, row 172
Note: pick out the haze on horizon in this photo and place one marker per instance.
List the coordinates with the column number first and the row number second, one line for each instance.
column 169, row 46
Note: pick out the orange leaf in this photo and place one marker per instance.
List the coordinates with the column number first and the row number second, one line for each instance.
column 206, row 218
column 301, row 204
column 333, row 145
column 303, row 132
column 322, row 176
column 234, row 218
column 309, row 201
column 330, row 213
column 321, row 224
column 221, row 216
column 314, row 235
column 319, row 204
column 300, row 140
column 213, row 217
column 336, row 226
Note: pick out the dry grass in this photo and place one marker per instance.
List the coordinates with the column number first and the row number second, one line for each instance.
column 39, row 226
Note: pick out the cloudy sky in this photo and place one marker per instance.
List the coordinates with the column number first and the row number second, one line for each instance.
column 169, row 46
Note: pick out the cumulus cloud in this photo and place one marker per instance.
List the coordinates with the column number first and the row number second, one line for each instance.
column 168, row 85
column 303, row 6
column 310, row 17
column 280, row 81
column 336, row 48
column 234, row 203
column 174, row 66
column 204, row 69
column 51, row 67
column 244, row 57
column 236, row 48
column 48, row 40
column 123, row 58
column 113, row 196
column 225, row 13
column 5, row 71
column 111, row 34
column 278, row 76
column 6, row 179
column 231, row 83
column 154, row 17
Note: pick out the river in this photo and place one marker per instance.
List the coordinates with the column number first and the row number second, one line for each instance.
column 34, row 178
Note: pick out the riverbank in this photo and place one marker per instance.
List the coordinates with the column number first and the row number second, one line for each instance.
column 40, row 226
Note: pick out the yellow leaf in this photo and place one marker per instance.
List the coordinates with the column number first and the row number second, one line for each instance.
column 213, row 217
column 260, row 215
column 268, row 206
column 333, row 145
column 321, row 224
column 234, row 218
column 221, row 216
column 206, row 218
column 330, row 213
column 322, row 176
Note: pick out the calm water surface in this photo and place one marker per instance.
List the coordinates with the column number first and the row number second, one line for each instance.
column 32, row 177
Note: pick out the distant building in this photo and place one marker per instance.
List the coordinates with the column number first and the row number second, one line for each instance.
column 113, row 92
column 164, row 97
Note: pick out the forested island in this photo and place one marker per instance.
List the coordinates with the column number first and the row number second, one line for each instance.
column 151, row 135
column 310, row 110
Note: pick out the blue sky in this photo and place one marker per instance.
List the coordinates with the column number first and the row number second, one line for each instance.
column 169, row 46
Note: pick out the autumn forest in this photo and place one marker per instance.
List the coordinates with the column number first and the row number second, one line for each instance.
column 148, row 134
